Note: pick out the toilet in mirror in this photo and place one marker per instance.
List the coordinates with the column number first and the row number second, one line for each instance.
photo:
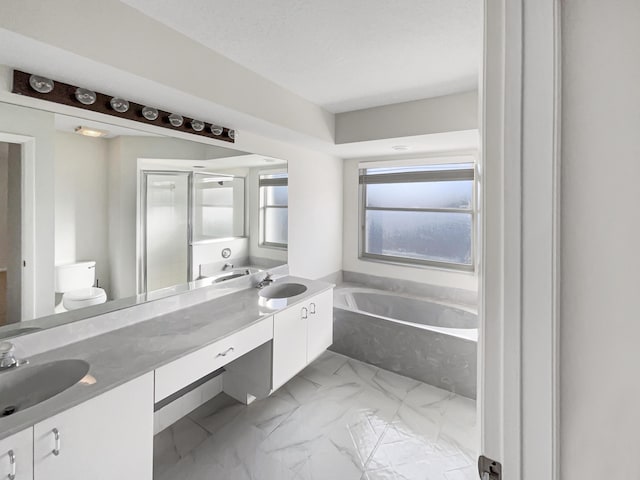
column 103, row 216
column 75, row 281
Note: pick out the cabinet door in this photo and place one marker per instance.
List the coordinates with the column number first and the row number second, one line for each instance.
column 289, row 344
column 16, row 456
column 320, row 331
column 107, row 437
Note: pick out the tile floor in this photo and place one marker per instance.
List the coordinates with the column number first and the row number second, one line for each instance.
column 339, row 419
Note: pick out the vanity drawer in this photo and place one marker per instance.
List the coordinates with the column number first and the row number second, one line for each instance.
column 186, row 370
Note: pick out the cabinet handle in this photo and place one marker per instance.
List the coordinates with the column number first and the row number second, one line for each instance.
column 312, row 308
column 226, row 352
column 56, row 436
column 305, row 313
column 12, row 462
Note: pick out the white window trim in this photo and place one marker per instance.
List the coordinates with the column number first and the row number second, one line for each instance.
column 410, row 262
column 261, row 220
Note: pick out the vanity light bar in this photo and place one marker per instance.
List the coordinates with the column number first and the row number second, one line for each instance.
column 43, row 88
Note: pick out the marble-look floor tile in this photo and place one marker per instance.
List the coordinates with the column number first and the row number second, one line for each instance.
column 175, row 442
column 382, row 474
column 298, row 390
column 394, row 385
column 427, row 397
column 330, row 362
column 217, row 412
column 357, row 371
column 467, row 473
column 338, row 419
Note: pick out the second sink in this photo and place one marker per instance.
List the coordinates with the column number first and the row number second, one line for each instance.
column 26, row 386
column 283, row 290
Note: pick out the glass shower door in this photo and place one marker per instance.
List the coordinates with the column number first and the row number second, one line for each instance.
column 166, row 229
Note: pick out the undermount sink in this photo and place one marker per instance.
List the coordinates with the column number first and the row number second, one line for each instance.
column 16, row 332
column 25, row 386
column 283, row 290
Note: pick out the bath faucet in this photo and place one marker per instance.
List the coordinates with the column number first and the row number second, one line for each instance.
column 7, row 358
column 227, row 265
column 267, row 280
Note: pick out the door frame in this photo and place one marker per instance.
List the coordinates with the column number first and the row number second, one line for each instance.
column 520, row 202
column 28, row 221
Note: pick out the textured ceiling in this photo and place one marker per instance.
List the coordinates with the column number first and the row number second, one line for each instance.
column 341, row 54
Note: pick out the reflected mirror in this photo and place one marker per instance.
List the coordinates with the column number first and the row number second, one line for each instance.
column 134, row 216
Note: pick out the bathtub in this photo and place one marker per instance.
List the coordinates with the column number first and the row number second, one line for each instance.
column 429, row 341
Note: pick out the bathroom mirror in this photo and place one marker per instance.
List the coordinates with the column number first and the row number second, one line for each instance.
column 95, row 217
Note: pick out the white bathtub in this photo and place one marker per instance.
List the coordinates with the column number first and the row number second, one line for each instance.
column 430, row 341
column 421, row 313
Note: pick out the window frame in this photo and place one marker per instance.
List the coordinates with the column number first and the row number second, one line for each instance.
column 262, row 205
column 447, row 172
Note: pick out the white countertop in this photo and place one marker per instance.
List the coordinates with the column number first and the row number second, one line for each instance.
column 127, row 353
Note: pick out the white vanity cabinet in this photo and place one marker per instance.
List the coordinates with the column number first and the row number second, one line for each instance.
column 107, row 437
column 16, row 456
column 320, row 324
column 300, row 334
column 289, row 344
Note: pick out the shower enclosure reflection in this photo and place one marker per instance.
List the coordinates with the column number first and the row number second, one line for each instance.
column 166, row 230
column 182, row 211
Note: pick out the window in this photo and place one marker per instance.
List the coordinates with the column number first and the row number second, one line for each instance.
column 418, row 215
column 274, row 210
column 218, row 206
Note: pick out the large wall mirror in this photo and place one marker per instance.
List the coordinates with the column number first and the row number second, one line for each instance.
column 135, row 216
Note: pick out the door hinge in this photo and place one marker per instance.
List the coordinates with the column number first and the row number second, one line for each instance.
column 489, row 469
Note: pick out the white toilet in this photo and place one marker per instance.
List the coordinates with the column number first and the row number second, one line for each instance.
column 76, row 281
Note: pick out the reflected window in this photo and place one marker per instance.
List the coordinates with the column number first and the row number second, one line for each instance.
column 418, row 215
column 218, row 206
column 274, row 209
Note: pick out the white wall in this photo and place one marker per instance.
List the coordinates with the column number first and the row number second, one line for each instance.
column 81, row 202
column 599, row 321
column 448, row 113
column 39, row 125
column 4, row 171
column 350, row 250
column 315, row 215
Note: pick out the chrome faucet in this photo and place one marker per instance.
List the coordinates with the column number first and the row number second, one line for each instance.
column 227, row 265
column 7, row 357
column 267, row 280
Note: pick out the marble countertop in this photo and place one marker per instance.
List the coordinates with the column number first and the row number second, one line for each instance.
column 127, row 353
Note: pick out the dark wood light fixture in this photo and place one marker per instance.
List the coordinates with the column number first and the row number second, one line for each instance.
column 53, row 91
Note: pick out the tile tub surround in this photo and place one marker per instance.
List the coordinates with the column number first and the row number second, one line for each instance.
column 438, row 293
column 127, row 353
column 438, row 358
column 338, row 419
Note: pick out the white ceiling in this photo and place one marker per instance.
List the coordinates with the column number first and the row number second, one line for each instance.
column 341, row 54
